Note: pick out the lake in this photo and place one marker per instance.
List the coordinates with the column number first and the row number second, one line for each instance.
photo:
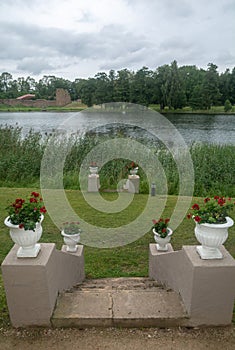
column 218, row 129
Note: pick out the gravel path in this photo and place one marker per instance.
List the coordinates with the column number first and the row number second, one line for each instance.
column 118, row 339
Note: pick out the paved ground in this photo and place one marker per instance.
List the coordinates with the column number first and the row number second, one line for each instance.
column 119, row 302
column 118, row 339
column 178, row 338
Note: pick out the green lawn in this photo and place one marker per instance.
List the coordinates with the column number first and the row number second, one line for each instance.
column 129, row 260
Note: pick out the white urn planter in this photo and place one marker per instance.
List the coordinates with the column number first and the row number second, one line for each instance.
column 161, row 243
column 26, row 239
column 71, row 241
column 134, row 171
column 93, row 170
column 211, row 237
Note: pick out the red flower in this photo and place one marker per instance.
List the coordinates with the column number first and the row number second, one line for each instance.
column 33, row 200
column 43, row 210
column 154, row 222
column 21, row 225
column 195, row 207
column 207, row 199
column 17, row 205
column 189, row 216
column 216, row 197
column 221, row 201
column 19, row 200
column 35, row 194
column 197, row 218
column 166, row 221
column 164, row 230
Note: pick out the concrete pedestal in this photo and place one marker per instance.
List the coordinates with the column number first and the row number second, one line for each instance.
column 207, row 287
column 133, row 183
column 32, row 284
column 93, row 183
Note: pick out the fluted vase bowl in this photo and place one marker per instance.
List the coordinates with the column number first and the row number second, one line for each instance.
column 162, row 243
column 211, row 237
column 26, row 239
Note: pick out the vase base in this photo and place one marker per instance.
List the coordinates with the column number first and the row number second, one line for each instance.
column 162, row 249
column 29, row 253
column 72, row 250
column 207, row 253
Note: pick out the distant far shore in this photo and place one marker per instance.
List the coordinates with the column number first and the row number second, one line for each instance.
column 77, row 107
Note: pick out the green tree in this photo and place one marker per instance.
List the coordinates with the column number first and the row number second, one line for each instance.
column 141, row 87
column 101, row 88
column 122, row 86
column 162, row 85
column 176, row 98
column 5, row 83
column 191, row 77
column 225, row 85
column 210, row 87
column 87, row 91
column 196, row 99
column 227, row 106
column 232, row 87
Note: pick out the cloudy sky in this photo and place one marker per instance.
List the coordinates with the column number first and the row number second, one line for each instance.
column 78, row 38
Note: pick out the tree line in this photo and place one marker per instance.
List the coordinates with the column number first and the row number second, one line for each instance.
column 168, row 86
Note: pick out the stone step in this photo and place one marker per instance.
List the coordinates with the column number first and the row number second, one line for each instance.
column 119, row 302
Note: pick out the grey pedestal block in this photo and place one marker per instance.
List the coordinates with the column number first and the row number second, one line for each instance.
column 134, row 183
column 207, row 287
column 32, row 284
column 93, row 183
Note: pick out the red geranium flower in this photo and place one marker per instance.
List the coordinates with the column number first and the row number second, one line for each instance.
column 207, row 199
column 26, row 213
column 35, row 194
column 195, row 207
column 197, row 218
column 33, row 200
column 43, row 210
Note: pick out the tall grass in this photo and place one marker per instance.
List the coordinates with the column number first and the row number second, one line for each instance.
column 20, row 162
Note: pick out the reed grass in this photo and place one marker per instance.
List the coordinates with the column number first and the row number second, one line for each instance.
column 20, row 162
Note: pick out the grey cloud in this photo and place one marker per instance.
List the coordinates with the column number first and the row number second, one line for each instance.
column 34, row 66
column 179, row 8
column 49, row 41
column 228, row 7
column 175, row 43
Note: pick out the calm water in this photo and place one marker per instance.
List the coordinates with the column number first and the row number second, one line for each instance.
column 219, row 129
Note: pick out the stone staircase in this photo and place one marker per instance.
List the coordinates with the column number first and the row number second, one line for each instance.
column 119, row 302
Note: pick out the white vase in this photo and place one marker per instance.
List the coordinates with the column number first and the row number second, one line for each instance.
column 71, row 241
column 133, row 171
column 93, row 170
column 211, row 236
column 162, row 242
column 26, row 239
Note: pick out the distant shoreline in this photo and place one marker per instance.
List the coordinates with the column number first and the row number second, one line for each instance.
column 214, row 111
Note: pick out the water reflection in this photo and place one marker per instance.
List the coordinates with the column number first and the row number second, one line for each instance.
column 219, row 129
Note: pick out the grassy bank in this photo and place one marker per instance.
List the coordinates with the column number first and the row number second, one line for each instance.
column 77, row 107
column 72, row 107
column 20, row 162
column 189, row 110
